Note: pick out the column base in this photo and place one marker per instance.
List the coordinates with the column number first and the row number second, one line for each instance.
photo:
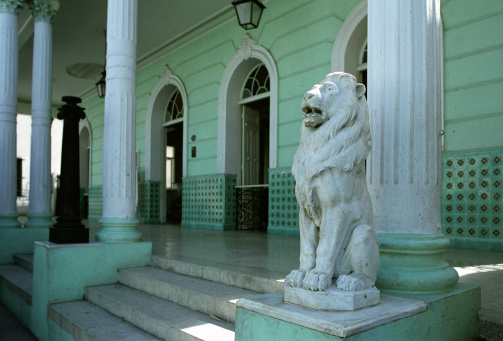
column 115, row 230
column 413, row 264
column 9, row 220
column 39, row 220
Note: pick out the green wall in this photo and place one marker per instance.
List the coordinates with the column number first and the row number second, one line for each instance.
column 285, row 31
column 473, row 74
column 301, row 47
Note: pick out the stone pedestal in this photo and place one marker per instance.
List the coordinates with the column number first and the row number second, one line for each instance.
column 448, row 317
column 332, row 299
column 69, row 227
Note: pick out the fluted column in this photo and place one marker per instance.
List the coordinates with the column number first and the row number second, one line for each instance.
column 39, row 213
column 404, row 175
column 119, row 138
column 9, row 10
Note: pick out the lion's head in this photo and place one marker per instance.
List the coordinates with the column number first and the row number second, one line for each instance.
column 335, row 127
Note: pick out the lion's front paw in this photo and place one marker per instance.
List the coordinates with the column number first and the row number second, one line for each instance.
column 354, row 282
column 295, row 278
column 317, row 281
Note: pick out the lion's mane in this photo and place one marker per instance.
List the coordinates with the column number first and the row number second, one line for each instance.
column 342, row 143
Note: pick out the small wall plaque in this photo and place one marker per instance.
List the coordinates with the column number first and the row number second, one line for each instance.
column 193, row 151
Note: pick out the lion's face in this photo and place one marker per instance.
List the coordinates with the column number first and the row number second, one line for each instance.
column 326, row 99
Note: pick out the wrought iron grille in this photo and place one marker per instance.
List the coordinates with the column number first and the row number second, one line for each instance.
column 252, row 207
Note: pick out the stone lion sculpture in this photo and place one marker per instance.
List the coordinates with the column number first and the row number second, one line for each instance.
column 336, row 238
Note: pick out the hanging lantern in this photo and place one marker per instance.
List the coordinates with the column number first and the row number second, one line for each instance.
column 248, row 12
column 101, row 86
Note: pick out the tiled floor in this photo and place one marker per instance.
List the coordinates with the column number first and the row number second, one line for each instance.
column 275, row 256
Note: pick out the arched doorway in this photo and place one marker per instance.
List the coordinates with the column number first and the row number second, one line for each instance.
column 255, row 117
column 173, row 174
column 165, row 146
column 231, row 102
column 247, row 130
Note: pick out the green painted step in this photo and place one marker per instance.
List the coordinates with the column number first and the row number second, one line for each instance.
column 24, row 260
column 86, row 321
column 17, row 279
column 251, row 280
column 195, row 293
column 166, row 320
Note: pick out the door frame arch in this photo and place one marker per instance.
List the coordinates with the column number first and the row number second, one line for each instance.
column 155, row 137
column 344, row 36
column 246, row 57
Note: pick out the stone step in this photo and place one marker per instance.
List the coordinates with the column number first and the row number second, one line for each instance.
column 24, row 260
column 198, row 294
column 166, row 320
column 18, row 280
column 233, row 277
column 86, row 321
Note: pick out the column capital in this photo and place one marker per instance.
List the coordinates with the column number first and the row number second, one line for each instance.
column 11, row 6
column 43, row 10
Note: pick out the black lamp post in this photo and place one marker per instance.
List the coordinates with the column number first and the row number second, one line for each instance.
column 249, row 13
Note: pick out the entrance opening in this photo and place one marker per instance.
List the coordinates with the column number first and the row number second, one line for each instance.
column 252, row 192
column 173, row 170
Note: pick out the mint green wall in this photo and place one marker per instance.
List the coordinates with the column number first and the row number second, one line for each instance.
column 473, row 74
column 301, row 46
column 285, row 31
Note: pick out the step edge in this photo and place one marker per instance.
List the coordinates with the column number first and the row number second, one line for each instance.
column 246, row 281
column 24, row 288
column 189, row 298
column 132, row 315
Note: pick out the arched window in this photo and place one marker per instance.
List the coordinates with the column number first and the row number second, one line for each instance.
column 257, row 82
column 175, row 107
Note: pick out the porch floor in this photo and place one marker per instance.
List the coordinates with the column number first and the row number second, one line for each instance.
column 274, row 256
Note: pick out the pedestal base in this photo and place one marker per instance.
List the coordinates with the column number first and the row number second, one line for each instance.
column 332, row 299
column 69, row 235
column 448, row 316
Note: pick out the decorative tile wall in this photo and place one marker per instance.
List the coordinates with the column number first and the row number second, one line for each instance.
column 472, row 204
column 209, row 202
column 283, row 207
column 95, row 202
column 149, row 201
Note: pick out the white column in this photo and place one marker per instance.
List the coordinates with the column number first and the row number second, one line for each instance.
column 119, row 138
column 39, row 213
column 9, row 11
column 404, row 175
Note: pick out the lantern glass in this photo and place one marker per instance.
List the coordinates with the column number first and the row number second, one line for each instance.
column 101, row 85
column 248, row 12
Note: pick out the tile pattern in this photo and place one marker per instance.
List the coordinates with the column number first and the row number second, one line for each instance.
column 283, row 207
column 209, row 200
column 149, row 201
column 472, row 199
column 95, row 202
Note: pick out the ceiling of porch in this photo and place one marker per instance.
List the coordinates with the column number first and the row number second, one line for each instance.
column 78, row 37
